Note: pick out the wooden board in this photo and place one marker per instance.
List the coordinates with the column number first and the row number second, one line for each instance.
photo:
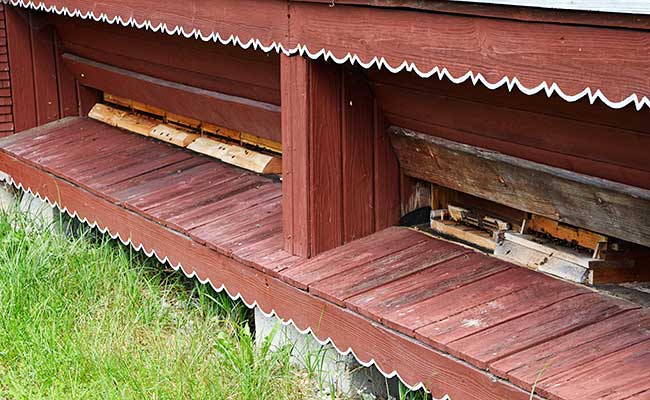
column 337, row 191
column 502, row 340
column 233, row 112
column 241, row 248
column 608, row 60
column 360, row 252
column 22, row 97
column 344, row 327
column 351, row 282
column 424, row 285
column 239, row 72
column 603, row 206
column 570, row 351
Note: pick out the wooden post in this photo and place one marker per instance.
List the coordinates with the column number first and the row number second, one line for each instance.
column 335, row 188
column 41, row 91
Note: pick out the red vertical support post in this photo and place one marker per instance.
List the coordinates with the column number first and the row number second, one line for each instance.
column 23, row 97
column 311, row 141
column 337, row 162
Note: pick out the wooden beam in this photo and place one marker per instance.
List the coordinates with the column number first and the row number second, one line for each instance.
column 509, row 12
column 340, row 176
column 313, row 202
column 233, row 112
column 603, row 206
column 229, row 153
column 22, row 74
column 224, row 17
column 615, row 61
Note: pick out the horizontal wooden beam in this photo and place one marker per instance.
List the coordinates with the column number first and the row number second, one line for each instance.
column 238, row 113
column 603, row 206
column 576, row 17
column 615, row 61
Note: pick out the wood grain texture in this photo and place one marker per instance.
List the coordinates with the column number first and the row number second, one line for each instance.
column 357, row 142
column 386, row 174
column 579, row 137
column 570, row 351
column 238, row 72
column 530, row 14
column 425, row 284
column 345, row 328
column 326, row 164
column 602, row 206
column 614, row 61
column 296, row 212
column 23, row 98
column 242, row 249
column 224, row 17
column 6, row 114
column 44, row 67
column 353, row 281
column 494, row 343
column 233, row 112
column 329, row 126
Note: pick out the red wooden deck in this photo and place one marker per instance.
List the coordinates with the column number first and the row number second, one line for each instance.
column 461, row 322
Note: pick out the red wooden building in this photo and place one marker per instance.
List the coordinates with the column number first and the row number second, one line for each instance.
column 379, row 172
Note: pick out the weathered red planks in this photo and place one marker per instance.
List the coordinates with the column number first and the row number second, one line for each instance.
column 345, row 328
column 538, row 295
column 238, row 72
column 387, row 175
column 375, row 273
column 224, row 17
column 525, row 319
column 425, row 284
column 518, row 334
column 232, row 112
column 568, row 352
column 614, row 61
column 6, row 115
column 44, row 67
column 23, row 97
column 359, row 252
column 357, row 148
column 325, row 168
column 296, row 218
column 470, row 116
column 620, row 375
column 335, row 190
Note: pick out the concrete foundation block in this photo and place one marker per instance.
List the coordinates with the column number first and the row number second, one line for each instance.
column 8, row 194
column 39, row 211
column 333, row 370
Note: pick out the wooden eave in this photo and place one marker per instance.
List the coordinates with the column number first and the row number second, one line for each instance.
column 516, row 49
column 435, row 313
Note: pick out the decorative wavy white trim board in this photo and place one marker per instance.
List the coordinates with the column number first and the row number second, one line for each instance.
column 379, row 62
column 192, row 274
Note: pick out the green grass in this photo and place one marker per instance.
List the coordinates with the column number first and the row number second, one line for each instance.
column 86, row 319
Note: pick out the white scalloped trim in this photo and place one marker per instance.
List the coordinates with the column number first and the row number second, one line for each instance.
column 192, row 274
column 380, row 62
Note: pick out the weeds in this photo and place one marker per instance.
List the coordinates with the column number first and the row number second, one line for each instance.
column 86, row 319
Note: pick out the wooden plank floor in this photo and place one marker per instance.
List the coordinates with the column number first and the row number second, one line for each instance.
column 461, row 322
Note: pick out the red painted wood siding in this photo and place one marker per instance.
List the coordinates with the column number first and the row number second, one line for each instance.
column 6, row 115
column 341, row 177
column 41, row 90
column 587, row 138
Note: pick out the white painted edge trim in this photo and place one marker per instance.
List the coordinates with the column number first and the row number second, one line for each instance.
column 379, row 62
column 192, row 274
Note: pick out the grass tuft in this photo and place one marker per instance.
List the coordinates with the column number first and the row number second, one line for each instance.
column 86, row 318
